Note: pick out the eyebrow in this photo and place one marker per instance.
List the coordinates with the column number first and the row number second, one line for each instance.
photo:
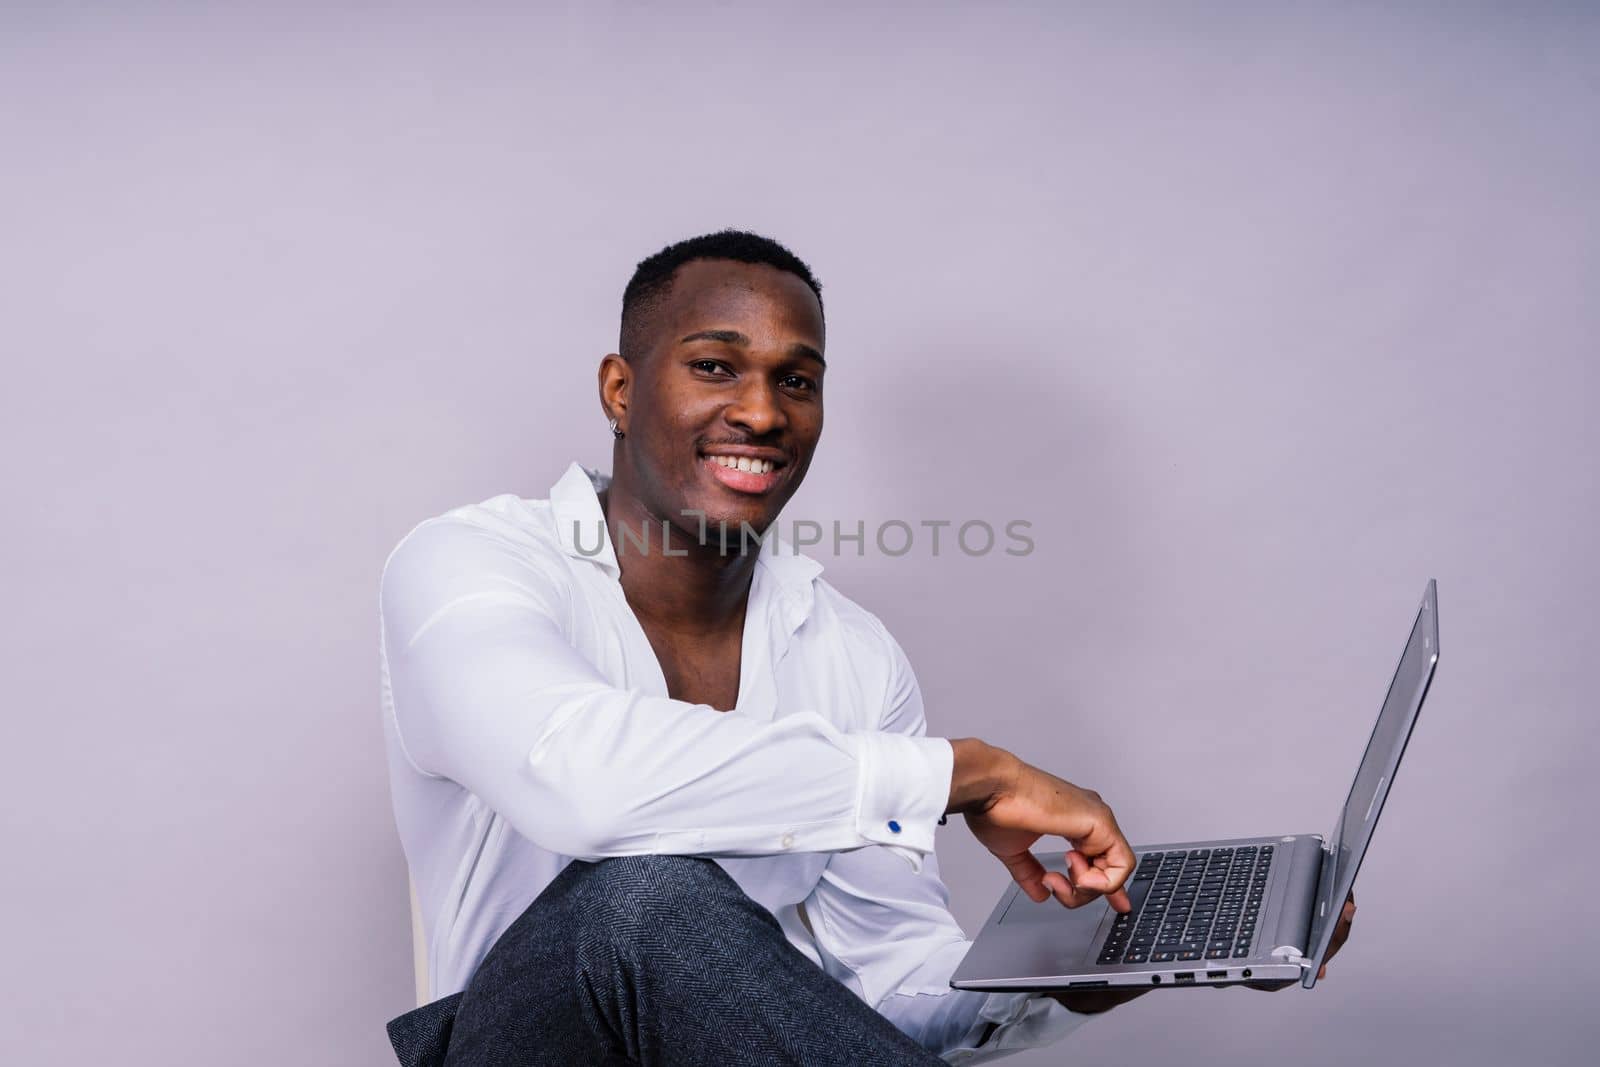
column 734, row 337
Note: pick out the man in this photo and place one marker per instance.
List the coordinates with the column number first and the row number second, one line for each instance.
column 667, row 796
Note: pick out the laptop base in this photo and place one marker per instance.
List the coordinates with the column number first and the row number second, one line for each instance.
column 1032, row 947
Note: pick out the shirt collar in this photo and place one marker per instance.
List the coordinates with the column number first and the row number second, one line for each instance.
column 580, row 524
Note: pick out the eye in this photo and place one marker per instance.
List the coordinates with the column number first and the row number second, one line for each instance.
column 804, row 384
column 709, row 364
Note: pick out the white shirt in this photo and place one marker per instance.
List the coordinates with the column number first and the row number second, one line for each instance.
column 528, row 723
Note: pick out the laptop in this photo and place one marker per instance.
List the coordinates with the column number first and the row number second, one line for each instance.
column 1254, row 909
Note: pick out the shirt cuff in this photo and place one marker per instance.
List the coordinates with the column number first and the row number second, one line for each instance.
column 903, row 789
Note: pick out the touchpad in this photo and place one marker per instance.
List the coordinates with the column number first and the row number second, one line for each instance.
column 1023, row 910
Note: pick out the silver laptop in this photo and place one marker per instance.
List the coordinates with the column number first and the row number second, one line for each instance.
column 1256, row 909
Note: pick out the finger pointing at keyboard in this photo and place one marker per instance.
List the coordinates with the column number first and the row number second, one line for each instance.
column 1009, row 805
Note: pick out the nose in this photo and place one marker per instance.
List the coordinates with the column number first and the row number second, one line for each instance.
column 757, row 407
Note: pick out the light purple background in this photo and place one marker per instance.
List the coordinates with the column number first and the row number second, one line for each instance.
column 1261, row 315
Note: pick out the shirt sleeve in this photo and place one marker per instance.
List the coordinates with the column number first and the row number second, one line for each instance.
column 886, row 931
column 489, row 692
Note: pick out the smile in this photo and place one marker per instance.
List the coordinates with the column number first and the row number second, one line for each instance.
column 741, row 463
column 744, row 474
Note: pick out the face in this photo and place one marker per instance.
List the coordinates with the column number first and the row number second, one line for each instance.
column 723, row 410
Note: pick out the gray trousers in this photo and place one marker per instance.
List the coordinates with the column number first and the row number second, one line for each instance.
column 648, row 960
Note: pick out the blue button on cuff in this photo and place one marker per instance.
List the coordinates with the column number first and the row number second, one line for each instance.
column 894, row 827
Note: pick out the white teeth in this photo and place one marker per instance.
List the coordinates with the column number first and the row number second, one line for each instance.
column 744, row 463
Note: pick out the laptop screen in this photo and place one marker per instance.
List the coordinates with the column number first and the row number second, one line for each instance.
column 1360, row 814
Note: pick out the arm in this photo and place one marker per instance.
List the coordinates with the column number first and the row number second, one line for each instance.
column 887, row 931
column 489, row 692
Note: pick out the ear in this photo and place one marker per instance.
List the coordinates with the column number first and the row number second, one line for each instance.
column 616, row 377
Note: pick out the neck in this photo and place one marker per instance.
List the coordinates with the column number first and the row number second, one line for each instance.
column 703, row 591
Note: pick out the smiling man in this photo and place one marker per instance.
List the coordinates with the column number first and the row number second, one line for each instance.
column 668, row 796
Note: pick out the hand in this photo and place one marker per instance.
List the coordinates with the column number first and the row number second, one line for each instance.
column 1341, row 934
column 1009, row 805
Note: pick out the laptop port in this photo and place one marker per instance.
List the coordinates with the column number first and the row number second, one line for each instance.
column 1184, row 978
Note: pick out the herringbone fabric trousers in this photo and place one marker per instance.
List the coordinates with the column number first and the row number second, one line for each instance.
column 660, row 961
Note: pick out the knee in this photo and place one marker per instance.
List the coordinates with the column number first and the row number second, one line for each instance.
column 664, row 879
column 627, row 893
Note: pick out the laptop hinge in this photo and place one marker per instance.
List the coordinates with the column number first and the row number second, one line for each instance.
column 1293, row 933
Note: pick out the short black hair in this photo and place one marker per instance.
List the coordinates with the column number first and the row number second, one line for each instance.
column 652, row 279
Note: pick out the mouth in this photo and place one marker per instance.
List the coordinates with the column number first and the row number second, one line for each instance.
column 743, row 472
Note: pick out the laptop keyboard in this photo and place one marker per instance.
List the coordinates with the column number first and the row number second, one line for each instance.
column 1191, row 904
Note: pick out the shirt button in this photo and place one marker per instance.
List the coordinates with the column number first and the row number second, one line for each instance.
column 787, row 841
column 894, row 827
